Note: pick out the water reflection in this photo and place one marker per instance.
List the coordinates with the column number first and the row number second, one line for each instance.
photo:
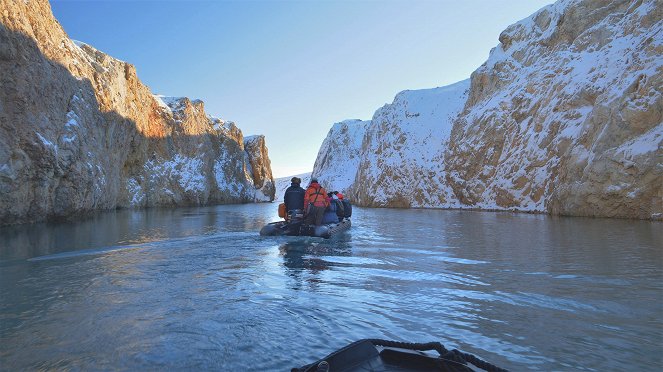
column 305, row 258
column 127, row 227
column 301, row 255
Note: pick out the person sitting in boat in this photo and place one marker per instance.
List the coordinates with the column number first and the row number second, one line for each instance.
column 340, row 209
column 347, row 207
column 330, row 215
column 294, row 196
column 315, row 202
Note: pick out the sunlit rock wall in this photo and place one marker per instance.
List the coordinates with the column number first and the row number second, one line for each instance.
column 79, row 131
column 565, row 116
column 260, row 168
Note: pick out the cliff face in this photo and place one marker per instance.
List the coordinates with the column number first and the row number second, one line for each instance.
column 260, row 169
column 402, row 151
column 565, row 117
column 340, row 154
column 80, row 132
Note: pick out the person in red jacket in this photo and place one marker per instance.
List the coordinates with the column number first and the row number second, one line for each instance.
column 315, row 202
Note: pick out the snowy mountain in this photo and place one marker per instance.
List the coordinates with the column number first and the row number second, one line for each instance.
column 564, row 117
column 80, row 132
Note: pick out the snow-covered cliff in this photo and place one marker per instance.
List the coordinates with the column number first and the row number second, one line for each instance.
column 565, row 117
column 80, row 132
column 340, row 153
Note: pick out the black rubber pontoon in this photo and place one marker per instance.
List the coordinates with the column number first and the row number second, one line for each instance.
column 294, row 226
column 383, row 355
column 297, row 228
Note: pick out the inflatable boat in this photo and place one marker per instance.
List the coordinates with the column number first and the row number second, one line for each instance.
column 383, row 355
column 298, row 228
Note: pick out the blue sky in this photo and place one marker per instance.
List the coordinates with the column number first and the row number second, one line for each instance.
column 291, row 69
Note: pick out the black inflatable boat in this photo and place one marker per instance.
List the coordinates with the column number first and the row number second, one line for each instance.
column 383, row 355
column 296, row 227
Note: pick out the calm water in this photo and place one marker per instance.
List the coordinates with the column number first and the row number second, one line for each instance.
column 198, row 288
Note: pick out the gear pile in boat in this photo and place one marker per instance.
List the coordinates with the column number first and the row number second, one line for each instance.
column 311, row 212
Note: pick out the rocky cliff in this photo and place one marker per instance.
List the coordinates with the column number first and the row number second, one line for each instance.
column 259, row 167
column 565, row 117
column 340, row 154
column 79, row 132
column 402, row 151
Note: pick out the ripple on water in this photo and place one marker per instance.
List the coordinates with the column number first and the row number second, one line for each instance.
column 199, row 289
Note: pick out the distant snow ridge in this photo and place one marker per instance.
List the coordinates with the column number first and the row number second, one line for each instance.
column 565, row 117
column 284, row 182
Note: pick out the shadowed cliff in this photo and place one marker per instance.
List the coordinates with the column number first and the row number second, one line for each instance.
column 72, row 144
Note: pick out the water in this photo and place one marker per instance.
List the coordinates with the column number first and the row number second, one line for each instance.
column 198, row 289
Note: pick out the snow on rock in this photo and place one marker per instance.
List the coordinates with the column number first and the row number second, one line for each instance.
column 565, row 117
column 81, row 132
column 549, row 110
column 339, row 155
column 396, row 158
column 162, row 101
column 402, row 155
column 137, row 193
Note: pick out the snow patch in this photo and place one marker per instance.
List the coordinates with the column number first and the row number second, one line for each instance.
column 186, row 171
column 47, row 143
column 78, row 43
column 160, row 101
column 136, row 192
column 651, row 141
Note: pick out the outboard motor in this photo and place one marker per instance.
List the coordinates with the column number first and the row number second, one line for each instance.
column 294, row 224
column 295, row 215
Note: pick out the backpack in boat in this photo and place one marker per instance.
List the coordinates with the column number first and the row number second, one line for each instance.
column 282, row 211
column 347, row 208
column 340, row 208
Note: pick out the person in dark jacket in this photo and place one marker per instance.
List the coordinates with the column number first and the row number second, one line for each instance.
column 294, row 195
